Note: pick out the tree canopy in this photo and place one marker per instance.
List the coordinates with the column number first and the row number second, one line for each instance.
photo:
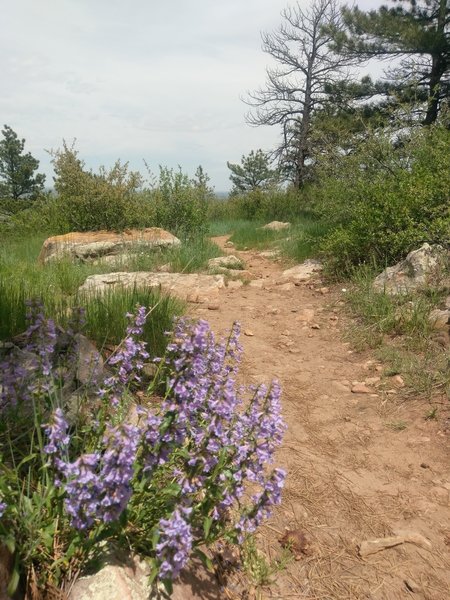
column 17, row 169
column 253, row 173
column 417, row 33
column 296, row 86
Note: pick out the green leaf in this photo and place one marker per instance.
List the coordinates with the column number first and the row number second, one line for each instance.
column 168, row 585
column 13, row 582
column 205, row 559
column 207, row 525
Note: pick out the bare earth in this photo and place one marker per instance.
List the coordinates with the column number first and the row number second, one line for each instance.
column 352, row 475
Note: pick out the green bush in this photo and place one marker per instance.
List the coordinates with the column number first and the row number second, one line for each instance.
column 385, row 200
column 181, row 203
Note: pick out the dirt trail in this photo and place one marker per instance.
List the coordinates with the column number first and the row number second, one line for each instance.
column 351, row 476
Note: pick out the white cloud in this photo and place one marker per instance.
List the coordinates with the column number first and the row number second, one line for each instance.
column 142, row 79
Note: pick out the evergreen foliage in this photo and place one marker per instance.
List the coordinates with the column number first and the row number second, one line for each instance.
column 17, row 169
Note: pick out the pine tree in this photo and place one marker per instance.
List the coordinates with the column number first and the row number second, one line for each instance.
column 253, row 173
column 17, row 170
column 417, row 32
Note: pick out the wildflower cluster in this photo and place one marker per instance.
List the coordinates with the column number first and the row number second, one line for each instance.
column 127, row 360
column 191, row 470
column 22, row 379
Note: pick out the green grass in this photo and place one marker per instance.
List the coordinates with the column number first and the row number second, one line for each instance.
column 297, row 243
column 56, row 284
column 399, row 328
column 106, row 322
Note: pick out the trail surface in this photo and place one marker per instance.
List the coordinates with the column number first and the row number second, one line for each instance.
column 354, row 472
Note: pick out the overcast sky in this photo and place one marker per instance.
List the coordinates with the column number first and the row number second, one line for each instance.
column 159, row 80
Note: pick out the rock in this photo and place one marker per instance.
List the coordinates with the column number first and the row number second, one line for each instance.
column 214, row 306
column 369, row 547
column 422, row 267
column 305, row 316
column 228, row 244
column 192, row 287
column 95, row 244
column 447, row 302
column 372, row 380
column 229, row 262
column 88, row 360
column 269, row 254
column 360, row 388
column 439, row 319
column 234, row 284
column 315, row 326
column 115, row 581
column 249, row 333
column 276, row 226
column 287, row 287
column 257, row 283
column 242, row 274
column 398, row 381
column 324, row 290
column 302, row 272
column 150, row 369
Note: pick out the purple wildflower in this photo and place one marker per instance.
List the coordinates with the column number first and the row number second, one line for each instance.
column 175, row 544
column 99, row 485
column 56, row 431
column 3, row 507
column 41, row 336
column 128, row 358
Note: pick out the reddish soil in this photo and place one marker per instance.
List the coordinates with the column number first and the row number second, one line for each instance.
column 353, row 473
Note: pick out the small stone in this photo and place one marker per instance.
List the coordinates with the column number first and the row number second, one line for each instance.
column 234, row 284
column 228, row 244
column 412, row 586
column 425, row 465
column 249, row 333
column 372, row 380
column 315, row 326
column 306, row 315
column 324, row 290
column 286, row 287
column 398, row 381
column 213, row 306
column 360, row 388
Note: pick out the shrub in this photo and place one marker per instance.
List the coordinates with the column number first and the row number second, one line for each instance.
column 164, row 487
column 384, row 200
column 181, row 203
column 90, row 201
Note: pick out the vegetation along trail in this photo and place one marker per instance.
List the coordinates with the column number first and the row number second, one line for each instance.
column 362, row 465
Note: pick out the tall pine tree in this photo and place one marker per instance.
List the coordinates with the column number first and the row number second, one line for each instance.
column 417, row 32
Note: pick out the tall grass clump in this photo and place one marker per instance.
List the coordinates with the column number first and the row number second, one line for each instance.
column 194, row 468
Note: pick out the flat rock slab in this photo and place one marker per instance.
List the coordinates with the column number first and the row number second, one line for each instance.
column 95, row 244
column 192, row 287
column 302, row 272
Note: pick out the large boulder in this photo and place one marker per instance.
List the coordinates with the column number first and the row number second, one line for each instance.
column 192, row 287
column 96, row 244
column 429, row 265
